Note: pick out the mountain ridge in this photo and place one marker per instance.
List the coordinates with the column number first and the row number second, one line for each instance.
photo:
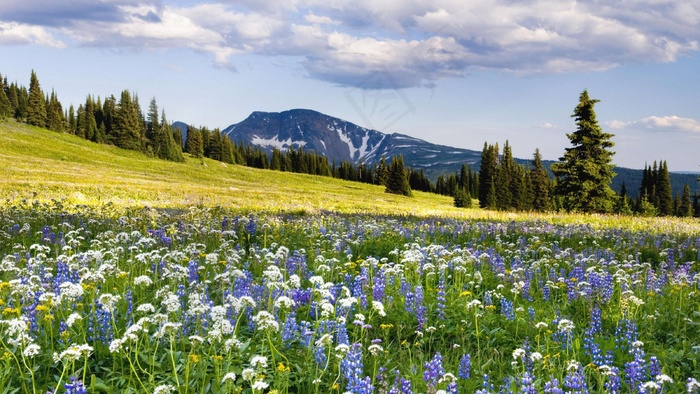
column 341, row 140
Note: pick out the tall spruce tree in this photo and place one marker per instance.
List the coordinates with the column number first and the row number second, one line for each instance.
column 585, row 171
column 685, row 206
column 194, row 144
column 397, row 182
column 539, row 181
column 127, row 125
column 5, row 105
column 488, row 174
column 664, row 194
column 36, row 109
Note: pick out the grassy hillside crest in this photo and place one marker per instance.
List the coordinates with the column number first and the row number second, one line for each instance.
column 41, row 165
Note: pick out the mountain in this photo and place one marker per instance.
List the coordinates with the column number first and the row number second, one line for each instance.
column 340, row 140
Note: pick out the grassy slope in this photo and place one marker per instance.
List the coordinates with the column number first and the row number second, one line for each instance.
column 40, row 164
column 37, row 164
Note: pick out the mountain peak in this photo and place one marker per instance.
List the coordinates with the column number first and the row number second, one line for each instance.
column 340, row 140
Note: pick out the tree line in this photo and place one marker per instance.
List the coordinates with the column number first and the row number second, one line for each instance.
column 581, row 181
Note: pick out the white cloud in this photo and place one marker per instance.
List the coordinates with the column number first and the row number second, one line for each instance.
column 348, row 42
column 658, row 123
column 12, row 33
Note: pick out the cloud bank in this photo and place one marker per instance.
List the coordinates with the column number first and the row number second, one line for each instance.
column 412, row 42
column 659, row 123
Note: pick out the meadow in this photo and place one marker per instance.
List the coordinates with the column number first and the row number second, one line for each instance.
column 125, row 274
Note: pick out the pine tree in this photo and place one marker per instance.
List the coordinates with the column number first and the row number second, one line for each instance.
column 194, row 144
column 664, row 194
column 127, row 125
column 55, row 119
column 397, row 183
column 382, row 173
column 685, row 205
column 462, row 199
column 5, row 105
column 488, row 174
column 36, row 109
column 585, row 171
column 539, row 178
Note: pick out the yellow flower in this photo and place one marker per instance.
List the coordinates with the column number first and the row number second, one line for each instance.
column 193, row 358
column 48, row 317
column 282, row 368
column 10, row 311
column 41, row 308
column 336, row 386
column 465, row 293
column 218, row 357
column 4, row 285
column 123, row 275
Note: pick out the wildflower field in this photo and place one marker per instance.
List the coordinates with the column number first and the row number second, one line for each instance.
column 204, row 300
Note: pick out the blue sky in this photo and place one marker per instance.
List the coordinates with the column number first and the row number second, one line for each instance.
column 453, row 72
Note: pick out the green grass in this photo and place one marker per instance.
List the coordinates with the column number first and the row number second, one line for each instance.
column 41, row 165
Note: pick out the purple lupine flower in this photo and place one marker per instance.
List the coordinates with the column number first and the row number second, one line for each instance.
column 465, row 364
column 420, row 308
column 507, row 309
column 75, row 386
column 527, row 384
column 379, row 285
column 452, row 388
column 613, row 385
column 552, row 387
column 433, row 370
column 576, row 382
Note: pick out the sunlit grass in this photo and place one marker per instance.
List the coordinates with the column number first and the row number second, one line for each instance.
column 37, row 164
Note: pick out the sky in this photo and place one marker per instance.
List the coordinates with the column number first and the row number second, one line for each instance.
column 452, row 72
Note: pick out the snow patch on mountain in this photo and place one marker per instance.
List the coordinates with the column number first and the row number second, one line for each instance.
column 276, row 143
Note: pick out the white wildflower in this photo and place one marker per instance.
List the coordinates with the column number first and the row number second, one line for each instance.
column 258, row 361
column 143, row 280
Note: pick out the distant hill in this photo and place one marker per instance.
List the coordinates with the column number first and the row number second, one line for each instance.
column 340, row 140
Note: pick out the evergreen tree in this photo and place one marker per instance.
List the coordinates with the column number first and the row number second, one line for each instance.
column 194, row 144
column 127, row 125
column 488, row 174
column 109, row 113
column 72, row 121
column 696, row 204
column 397, row 183
column 36, row 110
column 504, row 177
column 585, row 171
column 622, row 206
column 685, row 205
column 539, row 179
column 664, row 195
column 5, row 105
column 153, row 126
column 462, row 199
column 382, row 172
column 55, row 119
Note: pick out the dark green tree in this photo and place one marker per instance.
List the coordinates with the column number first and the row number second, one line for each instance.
column 127, row 125
column 36, row 109
column 488, row 173
column 585, row 171
column 462, row 199
column 539, row 181
column 397, row 182
column 685, row 205
column 664, row 194
column 193, row 143
column 382, row 173
column 55, row 119
column 5, row 105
